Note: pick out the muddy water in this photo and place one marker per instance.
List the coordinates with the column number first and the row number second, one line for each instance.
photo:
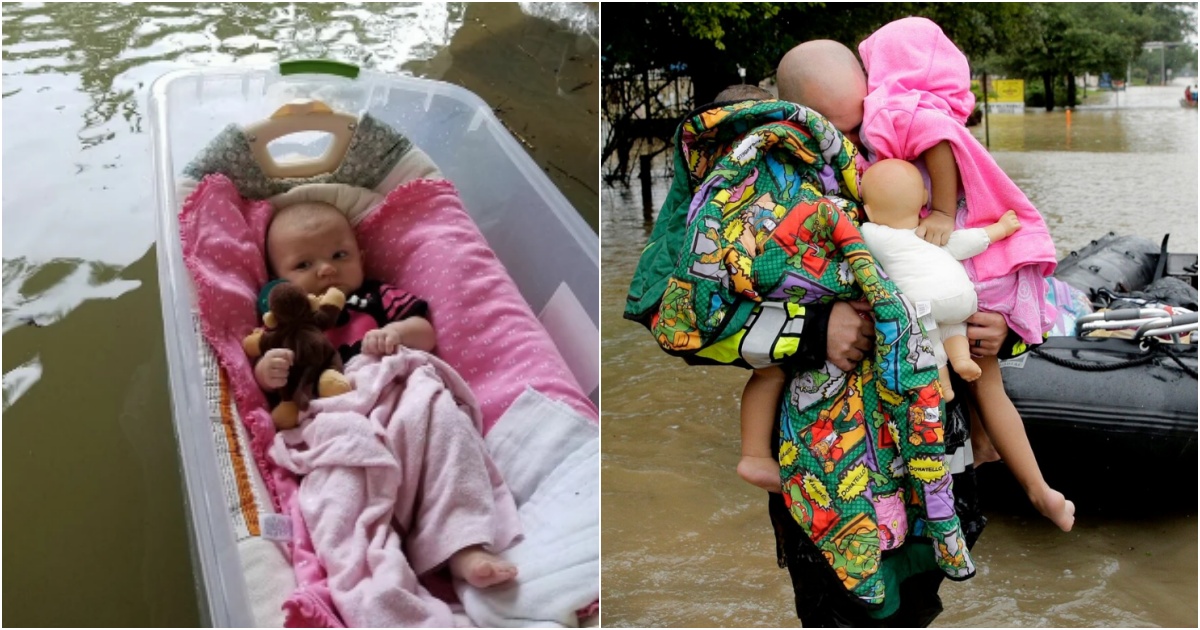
column 686, row 543
column 95, row 531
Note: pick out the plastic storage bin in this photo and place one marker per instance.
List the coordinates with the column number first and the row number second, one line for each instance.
column 547, row 248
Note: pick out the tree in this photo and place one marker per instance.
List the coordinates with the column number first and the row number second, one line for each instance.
column 1066, row 39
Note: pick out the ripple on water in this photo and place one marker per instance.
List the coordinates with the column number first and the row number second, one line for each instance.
column 75, row 282
column 18, row 380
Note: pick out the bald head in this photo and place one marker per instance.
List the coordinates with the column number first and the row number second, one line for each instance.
column 826, row 76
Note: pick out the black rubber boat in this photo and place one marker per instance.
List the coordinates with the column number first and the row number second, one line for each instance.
column 1106, row 412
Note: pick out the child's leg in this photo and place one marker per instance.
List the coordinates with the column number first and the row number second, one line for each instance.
column 760, row 400
column 947, row 386
column 1004, row 427
column 982, row 449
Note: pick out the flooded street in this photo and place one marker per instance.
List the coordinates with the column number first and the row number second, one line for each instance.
column 94, row 512
column 687, row 543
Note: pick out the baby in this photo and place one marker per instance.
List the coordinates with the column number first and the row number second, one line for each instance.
column 312, row 245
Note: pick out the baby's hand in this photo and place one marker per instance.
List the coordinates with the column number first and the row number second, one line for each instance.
column 936, row 228
column 271, row 372
column 381, row 341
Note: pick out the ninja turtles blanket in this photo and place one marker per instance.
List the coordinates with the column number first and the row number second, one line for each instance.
column 761, row 220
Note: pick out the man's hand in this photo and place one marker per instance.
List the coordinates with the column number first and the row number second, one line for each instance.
column 936, row 228
column 381, row 341
column 986, row 332
column 271, row 372
column 850, row 334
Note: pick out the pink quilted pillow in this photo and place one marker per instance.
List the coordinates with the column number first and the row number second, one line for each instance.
column 422, row 240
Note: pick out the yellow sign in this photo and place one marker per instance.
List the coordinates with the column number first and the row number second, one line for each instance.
column 1009, row 90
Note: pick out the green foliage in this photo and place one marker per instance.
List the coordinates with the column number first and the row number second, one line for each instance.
column 710, row 41
column 1149, row 66
column 706, row 21
column 1028, row 38
column 1074, row 38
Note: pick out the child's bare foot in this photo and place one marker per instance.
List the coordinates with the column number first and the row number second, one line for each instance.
column 1054, row 506
column 480, row 568
column 760, row 471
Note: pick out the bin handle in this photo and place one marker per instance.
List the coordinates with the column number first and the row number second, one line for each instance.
column 318, row 66
column 295, row 117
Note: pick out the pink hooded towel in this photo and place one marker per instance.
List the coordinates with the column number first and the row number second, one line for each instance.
column 919, row 94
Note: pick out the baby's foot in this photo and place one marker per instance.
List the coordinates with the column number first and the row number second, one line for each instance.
column 480, row 568
column 1054, row 506
column 967, row 369
column 760, row 471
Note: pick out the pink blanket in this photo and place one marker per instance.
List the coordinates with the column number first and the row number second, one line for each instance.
column 919, row 94
column 396, row 479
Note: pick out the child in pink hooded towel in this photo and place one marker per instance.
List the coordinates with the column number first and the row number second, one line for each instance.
column 918, row 100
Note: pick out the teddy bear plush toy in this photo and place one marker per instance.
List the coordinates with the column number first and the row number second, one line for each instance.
column 296, row 321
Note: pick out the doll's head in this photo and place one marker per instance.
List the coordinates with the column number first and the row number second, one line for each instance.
column 893, row 193
column 825, row 75
column 312, row 245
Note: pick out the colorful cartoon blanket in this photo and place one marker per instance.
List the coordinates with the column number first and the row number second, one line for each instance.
column 761, row 220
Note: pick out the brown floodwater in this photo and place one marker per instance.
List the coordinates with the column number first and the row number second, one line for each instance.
column 687, row 543
column 95, row 529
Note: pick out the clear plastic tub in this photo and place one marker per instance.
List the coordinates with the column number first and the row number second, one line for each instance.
column 546, row 246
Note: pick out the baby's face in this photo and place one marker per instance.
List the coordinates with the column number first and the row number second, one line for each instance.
column 316, row 252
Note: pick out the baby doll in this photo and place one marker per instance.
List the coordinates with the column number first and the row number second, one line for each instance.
column 893, row 194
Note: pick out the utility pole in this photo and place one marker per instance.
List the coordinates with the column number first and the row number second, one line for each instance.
column 1162, row 63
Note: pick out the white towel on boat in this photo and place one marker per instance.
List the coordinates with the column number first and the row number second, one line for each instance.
column 549, row 455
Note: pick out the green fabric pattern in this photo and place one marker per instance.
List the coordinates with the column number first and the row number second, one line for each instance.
column 764, row 210
column 374, row 150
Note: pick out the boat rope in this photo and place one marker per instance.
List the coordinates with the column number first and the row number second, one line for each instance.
column 1174, row 356
column 1088, row 366
column 1155, row 348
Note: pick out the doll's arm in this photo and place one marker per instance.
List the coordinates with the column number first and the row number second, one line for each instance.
column 964, row 244
column 943, row 179
column 1004, row 228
